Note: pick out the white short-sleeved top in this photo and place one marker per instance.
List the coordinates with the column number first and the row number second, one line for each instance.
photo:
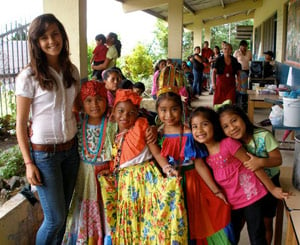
column 243, row 59
column 53, row 121
column 112, row 54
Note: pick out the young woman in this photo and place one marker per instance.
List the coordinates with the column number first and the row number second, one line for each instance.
column 46, row 89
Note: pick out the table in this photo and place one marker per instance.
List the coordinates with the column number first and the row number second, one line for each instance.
column 258, row 101
column 293, row 228
column 291, row 207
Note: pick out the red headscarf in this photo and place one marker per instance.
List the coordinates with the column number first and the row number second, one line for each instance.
column 92, row 88
column 127, row 94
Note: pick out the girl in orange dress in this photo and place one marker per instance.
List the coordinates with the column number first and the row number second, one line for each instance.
column 146, row 207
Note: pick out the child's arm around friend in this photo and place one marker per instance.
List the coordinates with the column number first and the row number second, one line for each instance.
column 277, row 192
column 274, row 159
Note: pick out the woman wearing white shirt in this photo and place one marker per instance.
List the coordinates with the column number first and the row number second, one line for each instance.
column 46, row 89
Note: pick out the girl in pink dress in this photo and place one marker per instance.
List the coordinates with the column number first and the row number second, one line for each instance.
column 243, row 189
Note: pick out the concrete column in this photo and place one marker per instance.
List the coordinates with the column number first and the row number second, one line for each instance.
column 72, row 14
column 197, row 30
column 175, row 23
column 207, row 35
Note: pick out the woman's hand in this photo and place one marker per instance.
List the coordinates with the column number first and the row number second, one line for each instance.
column 33, row 175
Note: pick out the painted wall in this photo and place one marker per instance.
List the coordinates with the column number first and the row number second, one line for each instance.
column 268, row 9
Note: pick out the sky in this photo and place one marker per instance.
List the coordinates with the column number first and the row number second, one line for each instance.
column 103, row 16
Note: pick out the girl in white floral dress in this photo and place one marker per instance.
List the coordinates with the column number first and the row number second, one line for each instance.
column 84, row 219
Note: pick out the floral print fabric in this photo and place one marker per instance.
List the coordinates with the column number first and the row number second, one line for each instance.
column 149, row 208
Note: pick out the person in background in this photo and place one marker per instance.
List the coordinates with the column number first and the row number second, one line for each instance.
column 113, row 53
column 206, row 54
column 269, row 65
column 99, row 55
column 197, row 71
column 225, row 73
column 216, row 54
column 126, row 84
column 158, row 67
column 139, row 88
column 243, row 56
column 46, row 89
column 265, row 154
column 169, row 62
column 112, row 79
column 222, row 46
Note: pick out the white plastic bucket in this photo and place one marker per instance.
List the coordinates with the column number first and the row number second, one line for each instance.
column 291, row 112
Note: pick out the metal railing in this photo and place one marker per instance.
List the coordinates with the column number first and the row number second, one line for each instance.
column 13, row 58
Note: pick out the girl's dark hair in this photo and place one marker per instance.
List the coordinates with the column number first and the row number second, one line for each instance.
column 109, row 71
column 117, row 42
column 212, row 117
column 38, row 59
column 236, row 110
column 217, row 48
column 101, row 37
column 170, row 96
column 156, row 68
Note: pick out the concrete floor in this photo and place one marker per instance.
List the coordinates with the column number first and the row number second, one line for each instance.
column 287, row 155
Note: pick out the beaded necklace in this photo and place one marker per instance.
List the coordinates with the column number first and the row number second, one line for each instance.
column 85, row 149
column 117, row 150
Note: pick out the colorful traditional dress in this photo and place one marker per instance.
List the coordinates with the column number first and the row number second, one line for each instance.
column 150, row 208
column 208, row 215
column 84, row 219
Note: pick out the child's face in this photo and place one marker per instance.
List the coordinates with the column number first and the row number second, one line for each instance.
column 51, row 41
column 94, row 107
column 138, row 91
column 125, row 114
column 233, row 125
column 169, row 112
column 112, row 82
column 162, row 65
column 202, row 129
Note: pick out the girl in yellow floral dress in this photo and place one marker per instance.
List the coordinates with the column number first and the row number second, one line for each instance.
column 143, row 207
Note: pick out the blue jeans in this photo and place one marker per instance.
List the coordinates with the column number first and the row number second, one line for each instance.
column 58, row 171
column 197, row 83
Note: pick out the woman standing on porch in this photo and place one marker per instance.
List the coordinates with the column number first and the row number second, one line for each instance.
column 224, row 76
column 46, row 90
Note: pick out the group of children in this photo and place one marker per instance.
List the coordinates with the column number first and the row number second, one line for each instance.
column 181, row 184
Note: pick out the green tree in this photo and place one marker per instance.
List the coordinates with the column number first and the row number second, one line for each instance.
column 138, row 65
column 159, row 47
column 90, row 53
column 227, row 32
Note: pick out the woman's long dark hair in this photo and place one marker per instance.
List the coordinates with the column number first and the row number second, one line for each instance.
column 117, row 42
column 38, row 59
